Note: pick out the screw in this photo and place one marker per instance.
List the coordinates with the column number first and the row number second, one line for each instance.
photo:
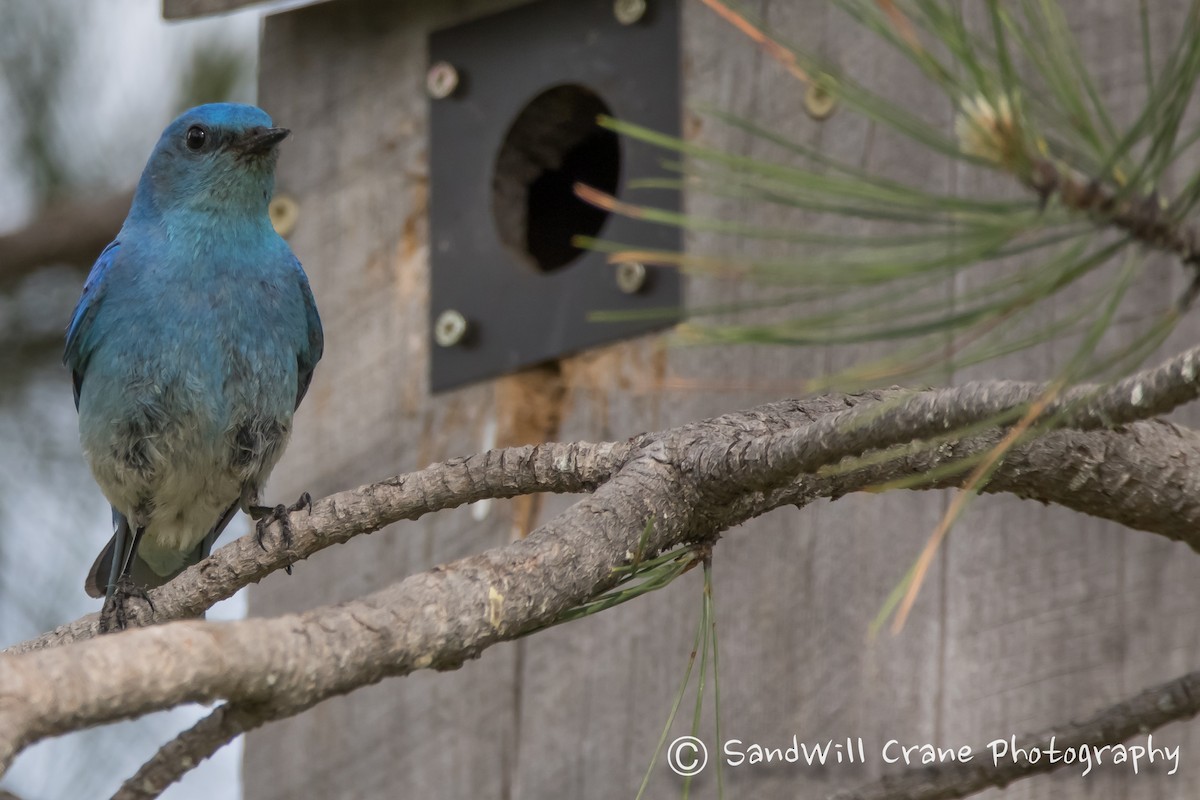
column 283, row 211
column 450, row 328
column 628, row 12
column 441, row 80
column 631, row 276
column 819, row 102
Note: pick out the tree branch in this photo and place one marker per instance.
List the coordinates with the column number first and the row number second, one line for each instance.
column 840, row 427
column 71, row 232
column 921, row 415
column 1142, row 477
column 1147, row 711
column 185, row 752
column 503, row 473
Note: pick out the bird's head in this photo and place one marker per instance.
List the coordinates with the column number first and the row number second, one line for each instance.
column 216, row 158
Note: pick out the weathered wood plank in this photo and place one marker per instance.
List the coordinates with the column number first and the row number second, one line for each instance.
column 1031, row 615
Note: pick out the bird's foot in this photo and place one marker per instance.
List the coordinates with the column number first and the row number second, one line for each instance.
column 115, row 616
column 265, row 515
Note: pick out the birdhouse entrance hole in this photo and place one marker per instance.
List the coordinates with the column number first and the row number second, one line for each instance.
column 553, row 144
column 513, row 101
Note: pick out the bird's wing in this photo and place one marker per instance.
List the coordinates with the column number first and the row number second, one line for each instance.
column 310, row 351
column 79, row 338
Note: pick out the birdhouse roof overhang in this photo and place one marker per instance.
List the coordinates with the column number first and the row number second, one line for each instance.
column 190, row 9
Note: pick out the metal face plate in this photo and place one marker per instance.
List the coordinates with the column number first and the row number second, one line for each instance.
column 518, row 315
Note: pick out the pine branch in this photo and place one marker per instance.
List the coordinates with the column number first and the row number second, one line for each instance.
column 503, row 473
column 186, row 751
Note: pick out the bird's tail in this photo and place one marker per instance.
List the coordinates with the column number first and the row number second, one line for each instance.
column 96, row 583
column 98, row 577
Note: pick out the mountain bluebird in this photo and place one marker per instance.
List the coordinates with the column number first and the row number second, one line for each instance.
column 191, row 347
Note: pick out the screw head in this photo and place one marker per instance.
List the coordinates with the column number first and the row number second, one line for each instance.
column 628, row 12
column 819, row 102
column 441, row 80
column 631, row 276
column 283, row 211
column 450, row 328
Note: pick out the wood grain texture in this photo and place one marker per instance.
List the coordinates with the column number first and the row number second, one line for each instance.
column 1032, row 615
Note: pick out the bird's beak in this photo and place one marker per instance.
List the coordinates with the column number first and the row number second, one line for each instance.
column 260, row 140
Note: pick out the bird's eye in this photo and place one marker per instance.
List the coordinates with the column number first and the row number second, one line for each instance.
column 195, row 137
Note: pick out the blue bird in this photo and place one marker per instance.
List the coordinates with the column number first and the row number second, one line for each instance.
column 192, row 345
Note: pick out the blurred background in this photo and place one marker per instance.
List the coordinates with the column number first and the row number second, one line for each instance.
column 85, row 90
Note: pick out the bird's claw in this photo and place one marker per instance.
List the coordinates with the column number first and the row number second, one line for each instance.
column 265, row 515
column 304, row 501
column 114, row 616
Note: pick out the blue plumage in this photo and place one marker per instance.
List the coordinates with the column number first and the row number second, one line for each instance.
column 192, row 345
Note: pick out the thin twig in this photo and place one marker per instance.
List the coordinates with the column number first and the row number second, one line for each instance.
column 508, row 472
column 187, row 750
